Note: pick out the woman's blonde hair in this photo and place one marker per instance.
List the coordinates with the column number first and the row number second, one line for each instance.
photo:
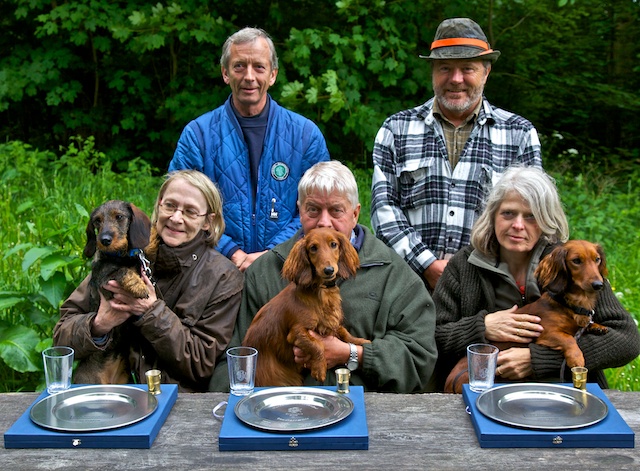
column 539, row 191
column 211, row 195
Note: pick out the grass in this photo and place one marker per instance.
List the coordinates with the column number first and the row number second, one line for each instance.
column 45, row 201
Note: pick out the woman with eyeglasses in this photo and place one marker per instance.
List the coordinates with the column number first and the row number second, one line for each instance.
column 186, row 322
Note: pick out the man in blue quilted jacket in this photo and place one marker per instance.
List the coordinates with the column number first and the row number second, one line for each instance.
column 255, row 151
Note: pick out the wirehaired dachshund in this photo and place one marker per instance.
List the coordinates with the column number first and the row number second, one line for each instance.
column 117, row 234
column 311, row 301
column 570, row 278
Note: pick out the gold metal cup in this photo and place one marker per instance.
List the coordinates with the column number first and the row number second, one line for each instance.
column 343, row 375
column 579, row 375
column 153, row 381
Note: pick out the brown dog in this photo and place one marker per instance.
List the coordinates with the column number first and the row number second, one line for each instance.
column 569, row 278
column 117, row 233
column 310, row 302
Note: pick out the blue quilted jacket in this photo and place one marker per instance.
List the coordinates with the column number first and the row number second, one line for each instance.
column 213, row 144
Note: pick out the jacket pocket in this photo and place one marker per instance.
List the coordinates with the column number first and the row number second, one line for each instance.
column 414, row 182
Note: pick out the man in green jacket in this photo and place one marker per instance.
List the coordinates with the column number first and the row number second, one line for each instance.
column 386, row 302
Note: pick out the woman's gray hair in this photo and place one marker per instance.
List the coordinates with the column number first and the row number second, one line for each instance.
column 211, row 195
column 329, row 177
column 539, row 191
column 244, row 36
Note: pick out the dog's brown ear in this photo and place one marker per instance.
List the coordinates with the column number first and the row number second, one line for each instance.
column 552, row 273
column 90, row 246
column 297, row 266
column 349, row 261
column 139, row 228
column 603, row 261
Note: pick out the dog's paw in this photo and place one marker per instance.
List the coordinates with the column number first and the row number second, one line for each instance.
column 597, row 329
column 132, row 283
column 319, row 371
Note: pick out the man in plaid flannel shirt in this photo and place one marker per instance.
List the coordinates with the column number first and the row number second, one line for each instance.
column 435, row 164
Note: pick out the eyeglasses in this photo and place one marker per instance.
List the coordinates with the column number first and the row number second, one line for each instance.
column 169, row 209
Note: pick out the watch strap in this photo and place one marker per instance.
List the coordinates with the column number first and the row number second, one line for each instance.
column 352, row 364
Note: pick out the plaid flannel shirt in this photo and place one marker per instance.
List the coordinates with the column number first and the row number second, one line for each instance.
column 422, row 208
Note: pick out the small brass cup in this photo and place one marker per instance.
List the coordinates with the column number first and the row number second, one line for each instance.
column 343, row 375
column 153, row 381
column 579, row 375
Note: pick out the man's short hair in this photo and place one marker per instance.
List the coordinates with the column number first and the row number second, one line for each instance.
column 329, row 177
column 244, row 36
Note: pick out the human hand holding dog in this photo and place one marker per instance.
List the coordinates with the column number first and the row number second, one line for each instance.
column 336, row 352
column 113, row 312
column 514, row 363
column 507, row 326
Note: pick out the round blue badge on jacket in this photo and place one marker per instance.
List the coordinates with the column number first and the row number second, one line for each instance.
column 280, row 171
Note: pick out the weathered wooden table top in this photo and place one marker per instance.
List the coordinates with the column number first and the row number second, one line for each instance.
column 422, row 431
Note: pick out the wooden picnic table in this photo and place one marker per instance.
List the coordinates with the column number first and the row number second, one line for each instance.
column 421, row 431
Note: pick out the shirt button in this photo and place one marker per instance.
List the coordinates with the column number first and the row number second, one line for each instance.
column 451, row 213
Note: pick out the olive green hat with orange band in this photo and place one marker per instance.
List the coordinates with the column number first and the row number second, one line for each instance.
column 461, row 38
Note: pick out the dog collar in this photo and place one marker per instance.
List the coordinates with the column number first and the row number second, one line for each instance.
column 144, row 261
column 577, row 309
column 331, row 284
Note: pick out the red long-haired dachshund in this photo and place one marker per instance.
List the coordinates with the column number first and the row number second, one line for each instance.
column 569, row 278
column 311, row 301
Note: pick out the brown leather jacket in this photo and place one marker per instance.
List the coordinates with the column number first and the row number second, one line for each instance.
column 185, row 331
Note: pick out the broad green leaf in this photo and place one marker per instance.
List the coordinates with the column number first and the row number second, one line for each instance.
column 52, row 263
column 9, row 301
column 17, row 349
column 34, row 254
column 53, row 289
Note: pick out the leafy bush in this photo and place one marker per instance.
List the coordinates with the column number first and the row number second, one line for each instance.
column 45, row 207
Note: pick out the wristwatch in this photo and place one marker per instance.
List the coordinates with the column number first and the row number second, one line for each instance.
column 352, row 364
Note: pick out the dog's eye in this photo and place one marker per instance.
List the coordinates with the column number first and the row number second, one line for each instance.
column 577, row 261
column 598, row 260
column 313, row 248
column 334, row 244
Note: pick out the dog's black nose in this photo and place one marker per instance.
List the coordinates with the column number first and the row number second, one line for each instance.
column 328, row 270
column 597, row 285
column 106, row 240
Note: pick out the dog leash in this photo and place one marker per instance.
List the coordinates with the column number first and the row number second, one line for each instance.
column 146, row 264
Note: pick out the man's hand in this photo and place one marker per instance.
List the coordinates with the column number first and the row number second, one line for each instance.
column 242, row 260
column 336, row 352
column 434, row 271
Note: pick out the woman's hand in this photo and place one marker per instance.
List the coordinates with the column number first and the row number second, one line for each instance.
column 514, row 363
column 113, row 312
column 507, row 326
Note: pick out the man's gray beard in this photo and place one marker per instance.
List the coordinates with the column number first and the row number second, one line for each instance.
column 459, row 107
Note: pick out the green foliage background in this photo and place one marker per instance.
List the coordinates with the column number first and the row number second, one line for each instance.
column 133, row 73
